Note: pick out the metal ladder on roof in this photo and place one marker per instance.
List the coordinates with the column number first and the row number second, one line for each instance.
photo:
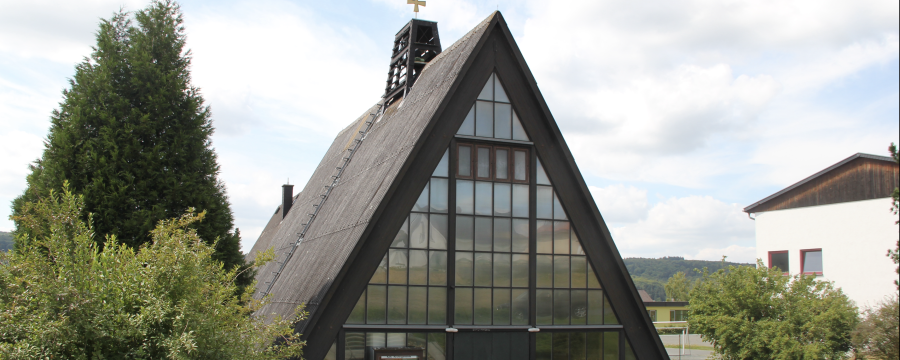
column 351, row 148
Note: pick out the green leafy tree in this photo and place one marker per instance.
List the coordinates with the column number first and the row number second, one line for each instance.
column 895, row 254
column 678, row 287
column 878, row 334
column 63, row 297
column 758, row 313
column 133, row 136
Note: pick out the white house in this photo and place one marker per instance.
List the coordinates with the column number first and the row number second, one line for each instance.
column 835, row 224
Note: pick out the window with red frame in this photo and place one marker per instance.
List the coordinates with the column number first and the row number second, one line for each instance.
column 781, row 260
column 811, row 261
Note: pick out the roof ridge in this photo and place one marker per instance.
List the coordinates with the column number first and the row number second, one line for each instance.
column 462, row 39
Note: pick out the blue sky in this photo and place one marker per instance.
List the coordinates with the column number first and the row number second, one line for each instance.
column 678, row 114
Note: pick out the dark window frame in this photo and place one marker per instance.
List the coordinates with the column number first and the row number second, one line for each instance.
column 490, row 149
column 471, row 163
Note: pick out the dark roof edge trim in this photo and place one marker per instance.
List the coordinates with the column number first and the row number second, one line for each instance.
column 750, row 208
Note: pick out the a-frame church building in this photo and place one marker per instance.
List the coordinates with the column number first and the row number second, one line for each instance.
column 450, row 221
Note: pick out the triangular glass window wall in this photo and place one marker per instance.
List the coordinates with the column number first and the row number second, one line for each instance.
column 492, row 115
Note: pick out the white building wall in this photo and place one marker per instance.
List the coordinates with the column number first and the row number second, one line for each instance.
column 854, row 238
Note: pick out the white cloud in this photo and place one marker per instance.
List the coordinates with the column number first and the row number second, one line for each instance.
column 698, row 227
column 620, row 203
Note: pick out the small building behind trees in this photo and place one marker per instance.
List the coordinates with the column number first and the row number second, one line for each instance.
column 450, row 221
column 835, row 225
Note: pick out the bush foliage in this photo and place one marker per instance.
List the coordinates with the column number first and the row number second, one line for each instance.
column 758, row 313
column 63, row 297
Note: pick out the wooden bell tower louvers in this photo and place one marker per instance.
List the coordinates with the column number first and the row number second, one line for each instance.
column 406, row 55
column 414, row 46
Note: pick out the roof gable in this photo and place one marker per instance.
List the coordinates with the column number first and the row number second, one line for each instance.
column 356, row 226
column 858, row 177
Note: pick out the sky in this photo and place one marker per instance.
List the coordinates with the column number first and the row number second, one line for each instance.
column 679, row 114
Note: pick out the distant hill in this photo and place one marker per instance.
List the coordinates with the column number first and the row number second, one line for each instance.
column 651, row 275
column 6, row 241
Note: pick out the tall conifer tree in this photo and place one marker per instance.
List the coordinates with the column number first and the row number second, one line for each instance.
column 133, row 136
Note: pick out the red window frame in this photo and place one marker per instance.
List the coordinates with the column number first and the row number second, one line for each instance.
column 803, row 262
column 779, row 252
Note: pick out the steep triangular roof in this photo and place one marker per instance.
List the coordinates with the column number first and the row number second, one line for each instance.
column 354, row 228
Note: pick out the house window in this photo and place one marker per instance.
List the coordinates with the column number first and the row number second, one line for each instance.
column 811, row 261
column 780, row 260
column 678, row 315
column 652, row 314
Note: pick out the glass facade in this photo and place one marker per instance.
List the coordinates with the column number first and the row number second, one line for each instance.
column 487, row 246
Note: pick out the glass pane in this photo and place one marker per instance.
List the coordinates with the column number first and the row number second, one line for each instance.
column 376, row 339
column 482, row 306
column 520, row 307
column 560, row 307
column 464, row 263
column 332, row 352
column 422, row 202
column 437, row 344
column 579, row 272
column 463, row 306
column 520, row 235
column 354, row 346
column 560, row 237
column 418, row 298
column 520, row 168
column 483, row 234
column 415, row 339
column 465, row 227
column 437, row 305
column 502, row 199
column 611, row 345
column 465, row 161
column 544, row 236
column 545, row 346
column 501, row 235
column 487, row 92
column 594, row 346
column 380, row 276
column 520, row 270
column 483, row 198
column 375, row 304
column 501, row 270
column 579, row 307
column 520, row 200
column 560, row 345
column 483, row 164
column 402, row 238
column 482, row 269
column 468, row 125
column 438, row 233
column 609, row 316
column 437, row 268
column 418, row 230
column 501, row 164
column 484, row 119
column 558, row 212
column 560, row 271
column 418, row 267
column 541, row 175
column 499, row 94
column 396, row 339
column 465, row 201
column 576, row 345
column 544, row 307
column 629, row 352
column 544, row 270
column 576, row 244
column 358, row 315
column 442, row 168
column 502, row 118
column 595, row 307
column 812, row 261
column 592, row 278
column 439, row 195
column 544, row 202
column 501, row 306
column 780, row 260
column 397, row 265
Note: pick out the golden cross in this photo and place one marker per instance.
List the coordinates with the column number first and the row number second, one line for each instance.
column 416, row 3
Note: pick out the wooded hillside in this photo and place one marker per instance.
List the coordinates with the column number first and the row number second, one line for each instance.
column 6, row 241
column 651, row 275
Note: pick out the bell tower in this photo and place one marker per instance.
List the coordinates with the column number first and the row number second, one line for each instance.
column 414, row 46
